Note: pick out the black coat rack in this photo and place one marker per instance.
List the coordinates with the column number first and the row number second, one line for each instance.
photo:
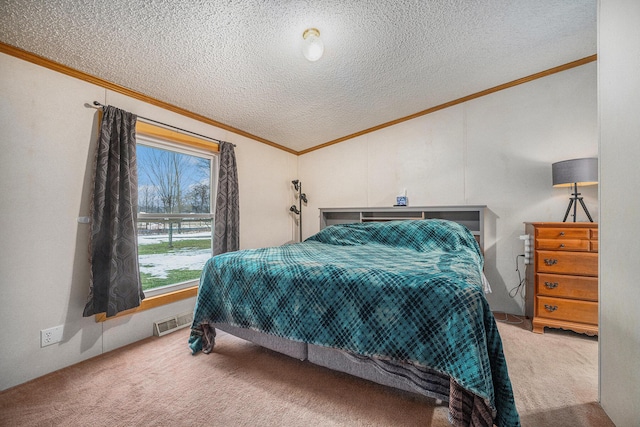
column 302, row 197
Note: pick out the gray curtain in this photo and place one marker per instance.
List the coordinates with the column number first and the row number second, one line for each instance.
column 227, row 216
column 113, row 250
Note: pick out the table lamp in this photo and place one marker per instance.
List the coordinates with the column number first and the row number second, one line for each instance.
column 573, row 173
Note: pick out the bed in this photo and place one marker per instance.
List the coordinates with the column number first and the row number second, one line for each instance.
column 399, row 302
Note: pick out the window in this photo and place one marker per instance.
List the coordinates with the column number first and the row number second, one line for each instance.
column 176, row 194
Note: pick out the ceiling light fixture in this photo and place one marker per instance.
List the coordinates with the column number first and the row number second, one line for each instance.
column 312, row 47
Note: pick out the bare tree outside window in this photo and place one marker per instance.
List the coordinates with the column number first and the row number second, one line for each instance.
column 174, row 214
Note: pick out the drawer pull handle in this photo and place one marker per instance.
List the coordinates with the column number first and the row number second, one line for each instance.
column 550, row 308
column 562, row 245
column 550, row 262
column 551, row 285
column 562, row 233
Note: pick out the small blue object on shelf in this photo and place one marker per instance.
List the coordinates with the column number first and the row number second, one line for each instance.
column 401, row 201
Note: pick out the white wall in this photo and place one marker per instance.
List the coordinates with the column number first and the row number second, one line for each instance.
column 619, row 104
column 496, row 151
column 47, row 136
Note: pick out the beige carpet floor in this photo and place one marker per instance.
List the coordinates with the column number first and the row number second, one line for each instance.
column 156, row 382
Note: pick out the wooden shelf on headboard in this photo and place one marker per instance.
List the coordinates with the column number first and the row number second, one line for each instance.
column 471, row 216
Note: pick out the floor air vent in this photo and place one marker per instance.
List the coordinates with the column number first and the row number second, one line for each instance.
column 166, row 326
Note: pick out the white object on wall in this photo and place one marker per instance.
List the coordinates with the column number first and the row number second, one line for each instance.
column 528, row 255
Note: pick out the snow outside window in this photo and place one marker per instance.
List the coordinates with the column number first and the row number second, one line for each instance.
column 176, row 196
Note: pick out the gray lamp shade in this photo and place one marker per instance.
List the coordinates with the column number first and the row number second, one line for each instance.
column 576, row 171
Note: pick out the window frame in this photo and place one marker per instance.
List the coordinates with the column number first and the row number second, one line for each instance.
column 161, row 137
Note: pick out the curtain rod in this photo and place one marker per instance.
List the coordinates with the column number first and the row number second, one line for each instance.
column 96, row 103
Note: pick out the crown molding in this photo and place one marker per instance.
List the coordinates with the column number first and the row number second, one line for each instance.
column 55, row 66
column 485, row 92
column 52, row 65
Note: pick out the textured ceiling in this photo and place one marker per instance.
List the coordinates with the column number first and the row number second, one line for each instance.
column 239, row 62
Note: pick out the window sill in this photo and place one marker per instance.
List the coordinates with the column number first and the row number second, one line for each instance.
column 152, row 302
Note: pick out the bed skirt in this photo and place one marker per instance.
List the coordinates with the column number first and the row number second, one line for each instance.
column 465, row 408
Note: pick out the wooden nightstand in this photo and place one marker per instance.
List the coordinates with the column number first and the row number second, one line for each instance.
column 562, row 281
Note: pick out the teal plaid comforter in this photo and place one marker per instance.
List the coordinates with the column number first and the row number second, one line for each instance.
column 402, row 290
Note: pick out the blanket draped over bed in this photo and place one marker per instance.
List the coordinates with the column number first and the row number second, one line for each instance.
column 406, row 291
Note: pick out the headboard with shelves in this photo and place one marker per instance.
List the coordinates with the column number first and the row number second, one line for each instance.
column 471, row 216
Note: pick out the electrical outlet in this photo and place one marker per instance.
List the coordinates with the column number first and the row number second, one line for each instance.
column 51, row 335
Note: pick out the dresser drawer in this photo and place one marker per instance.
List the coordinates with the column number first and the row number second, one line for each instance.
column 563, row 244
column 566, row 309
column 575, row 287
column 574, row 263
column 562, row 233
column 562, row 281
